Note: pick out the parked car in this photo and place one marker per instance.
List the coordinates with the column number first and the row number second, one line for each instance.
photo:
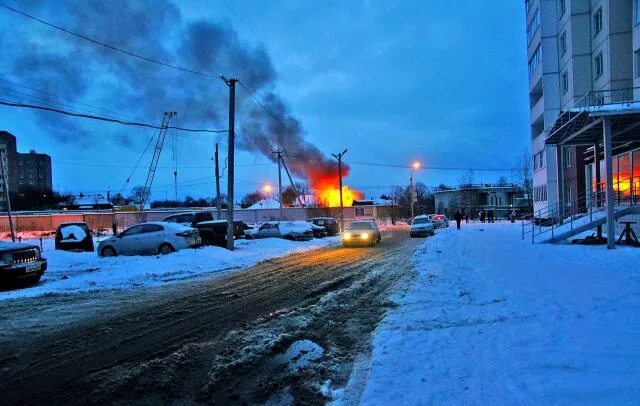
column 318, row 231
column 361, row 232
column 329, row 223
column 20, row 263
column 150, row 238
column 74, row 237
column 439, row 220
column 212, row 232
column 422, row 226
column 290, row 230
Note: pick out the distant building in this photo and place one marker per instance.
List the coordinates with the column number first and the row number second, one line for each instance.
column 26, row 171
column 471, row 199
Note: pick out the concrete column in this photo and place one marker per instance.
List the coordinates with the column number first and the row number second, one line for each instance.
column 596, row 160
column 560, row 169
column 611, row 222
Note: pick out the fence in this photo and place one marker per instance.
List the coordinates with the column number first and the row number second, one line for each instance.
column 104, row 220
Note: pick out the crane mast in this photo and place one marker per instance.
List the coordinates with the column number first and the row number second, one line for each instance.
column 156, row 157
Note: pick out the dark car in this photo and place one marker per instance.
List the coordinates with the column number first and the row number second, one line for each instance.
column 359, row 233
column 329, row 223
column 20, row 263
column 74, row 237
column 212, row 232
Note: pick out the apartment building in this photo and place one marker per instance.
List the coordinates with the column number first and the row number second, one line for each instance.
column 576, row 49
column 25, row 171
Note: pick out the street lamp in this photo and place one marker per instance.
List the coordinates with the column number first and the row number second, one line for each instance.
column 267, row 189
column 414, row 166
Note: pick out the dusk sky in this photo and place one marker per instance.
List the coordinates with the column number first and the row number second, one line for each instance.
column 440, row 82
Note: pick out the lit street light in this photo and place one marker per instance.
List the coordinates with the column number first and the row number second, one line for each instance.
column 414, row 166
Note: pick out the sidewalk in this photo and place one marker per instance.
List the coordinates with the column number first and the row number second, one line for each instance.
column 493, row 319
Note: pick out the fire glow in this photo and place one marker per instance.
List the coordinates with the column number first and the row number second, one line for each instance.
column 330, row 196
column 323, row 180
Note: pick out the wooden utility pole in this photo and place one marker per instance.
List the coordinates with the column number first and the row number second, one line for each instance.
column 230, row 158
column 218, row 202
column 279, row 153
column 339, row 158
column 5, row 178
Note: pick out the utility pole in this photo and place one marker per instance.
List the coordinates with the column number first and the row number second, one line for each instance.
column 339, row 158
column 279, row 153
column 230, row 157
column 5, row 178
column 218, row 202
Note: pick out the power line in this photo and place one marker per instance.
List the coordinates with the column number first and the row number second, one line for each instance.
column 111, row 120
column 112, row 47
column 33, row 89
column 255, row 98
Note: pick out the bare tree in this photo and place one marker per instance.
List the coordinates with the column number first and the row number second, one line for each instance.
column 502, row 181
column 523, row 173
column 467, row 178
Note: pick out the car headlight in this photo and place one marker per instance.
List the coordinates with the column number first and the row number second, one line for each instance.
column 364, row 236
column 347, row 236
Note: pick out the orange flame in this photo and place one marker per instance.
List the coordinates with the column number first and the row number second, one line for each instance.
column 330, row 196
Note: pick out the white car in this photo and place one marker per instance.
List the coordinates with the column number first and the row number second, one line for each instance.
column 422, row 226
column 290, row 230
column 439, row 220
column 150, row 238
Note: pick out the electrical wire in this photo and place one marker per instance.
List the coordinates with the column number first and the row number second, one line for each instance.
column 112, row 47
column 111, row 120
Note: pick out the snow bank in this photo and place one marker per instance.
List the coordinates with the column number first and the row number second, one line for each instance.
column 74, row 272
column 493, row 319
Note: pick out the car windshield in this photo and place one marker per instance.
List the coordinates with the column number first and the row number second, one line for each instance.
column 421, row 220
column 361, row 226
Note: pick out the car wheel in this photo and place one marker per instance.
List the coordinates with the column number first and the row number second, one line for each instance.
column 108, row 252
column 165, row 249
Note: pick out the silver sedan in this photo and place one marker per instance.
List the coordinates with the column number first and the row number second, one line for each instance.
column 150, row 238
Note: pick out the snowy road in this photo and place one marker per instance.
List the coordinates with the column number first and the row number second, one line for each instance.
column 286, row 329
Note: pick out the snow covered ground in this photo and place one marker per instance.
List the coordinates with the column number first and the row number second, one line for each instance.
column 74, row 272
column 493, row 319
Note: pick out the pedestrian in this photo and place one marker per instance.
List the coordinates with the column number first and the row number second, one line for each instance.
column 483, row 215
column 466, row 217
column 512, row 216
column 490, row 216
column 458, row 218
column 114, row 228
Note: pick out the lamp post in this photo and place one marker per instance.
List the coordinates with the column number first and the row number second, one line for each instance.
column 414, row 166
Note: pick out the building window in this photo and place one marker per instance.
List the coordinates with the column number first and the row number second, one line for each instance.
column 563, row 7
column 567, row 158
column 597, row 22
column 564, row 78
column 599, row 65
column 637, row 61
column 533, row 26
column 527, row 6
column 535, row 60
column 636, row 17
column 563, row 43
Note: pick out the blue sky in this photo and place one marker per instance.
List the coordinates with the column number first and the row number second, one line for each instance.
column 441, row 82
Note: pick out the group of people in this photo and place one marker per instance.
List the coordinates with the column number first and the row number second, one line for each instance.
column 484, row 216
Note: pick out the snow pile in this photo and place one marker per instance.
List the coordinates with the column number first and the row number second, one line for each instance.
column 74, row 272
column 491, row 318
column 300, row 354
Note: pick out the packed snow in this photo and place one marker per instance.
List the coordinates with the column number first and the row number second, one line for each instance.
column 494, row 319
column 75, row 272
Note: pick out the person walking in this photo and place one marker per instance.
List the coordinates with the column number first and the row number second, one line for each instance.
column 513, row 215
column 483, row 215
column 466, row 217
column 458, row 218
